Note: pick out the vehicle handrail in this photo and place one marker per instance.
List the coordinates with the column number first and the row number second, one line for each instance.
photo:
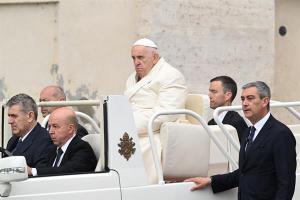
column 291, row 109
column 80, row 114
column 73, row 103
column 273, row 103
column 69, row 103
column 202, row 122
column 221, row 125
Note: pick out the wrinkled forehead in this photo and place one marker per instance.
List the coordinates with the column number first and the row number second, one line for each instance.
column 56, row 119
column 141, row 50
column 47, row 93
column 251, row 91
column 17, row 108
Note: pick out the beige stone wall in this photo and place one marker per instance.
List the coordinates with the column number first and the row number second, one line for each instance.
column 204, row 39
column 287, row 59
column 84, row 45
column 88, row 42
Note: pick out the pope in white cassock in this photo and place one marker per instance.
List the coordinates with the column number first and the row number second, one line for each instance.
column 154, row 86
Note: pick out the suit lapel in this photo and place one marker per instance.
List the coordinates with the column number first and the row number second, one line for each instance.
column 227, row 119
column 25, row 144
column 69, row 150
column 134, row 86
column 12, row 143
column 52, row 156
column 257, row 142
column 28, row 140
column 262, row 134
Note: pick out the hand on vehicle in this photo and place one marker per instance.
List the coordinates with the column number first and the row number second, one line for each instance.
column 201, row 182
column 29, row 171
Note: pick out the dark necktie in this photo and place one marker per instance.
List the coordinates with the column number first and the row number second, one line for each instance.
column 249, row 139
column 18, row 146
column 59, row 152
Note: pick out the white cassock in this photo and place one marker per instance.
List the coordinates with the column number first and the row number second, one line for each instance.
column 163, row 88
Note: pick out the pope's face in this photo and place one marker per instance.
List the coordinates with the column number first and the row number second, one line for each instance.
column 144, row 58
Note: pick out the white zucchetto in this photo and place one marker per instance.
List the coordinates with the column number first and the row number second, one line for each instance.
column 145, row 42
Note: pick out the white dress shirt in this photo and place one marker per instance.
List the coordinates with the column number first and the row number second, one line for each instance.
column 63, row 148
column 258, row 125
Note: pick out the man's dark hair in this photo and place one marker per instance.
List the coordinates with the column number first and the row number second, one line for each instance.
column 26, row 102
column 229, row 85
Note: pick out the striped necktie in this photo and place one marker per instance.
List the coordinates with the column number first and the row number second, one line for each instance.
column 59, row 152
column 249, row 139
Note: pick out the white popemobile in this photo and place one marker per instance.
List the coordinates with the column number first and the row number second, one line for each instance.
column 120, row 173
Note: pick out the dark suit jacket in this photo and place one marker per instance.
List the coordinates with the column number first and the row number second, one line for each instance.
column 268, row 170
column 34, row 148
column 234, row 119
column 81, row 131
column 79, row 157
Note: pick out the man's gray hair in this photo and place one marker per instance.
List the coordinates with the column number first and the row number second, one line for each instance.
column 262, row 88
column 26, row 102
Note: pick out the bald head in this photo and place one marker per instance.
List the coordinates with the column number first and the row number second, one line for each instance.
column 63, row 125
column 51, row 93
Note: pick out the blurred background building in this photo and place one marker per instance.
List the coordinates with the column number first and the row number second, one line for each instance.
column 84, row 45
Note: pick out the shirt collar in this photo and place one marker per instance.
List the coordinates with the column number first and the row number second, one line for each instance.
column 222, row 115
column 25, row 136
column 258, row 125
column 65, row 146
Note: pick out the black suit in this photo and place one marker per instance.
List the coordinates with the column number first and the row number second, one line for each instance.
column 268, row 170
column 81, row 131
column 34, row 148
column 234, row 119
column 79, row 157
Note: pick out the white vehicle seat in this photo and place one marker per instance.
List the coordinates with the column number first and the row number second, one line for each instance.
column 218, row 164
column 95, row 141
column 175, row 143
column 199, row 103
column 185, row 151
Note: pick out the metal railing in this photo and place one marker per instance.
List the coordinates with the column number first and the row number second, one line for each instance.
column 79, row 114
column 60, row 104
column 236, row 146
column 202, row 122
column 69, row 103
column 73, row 103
